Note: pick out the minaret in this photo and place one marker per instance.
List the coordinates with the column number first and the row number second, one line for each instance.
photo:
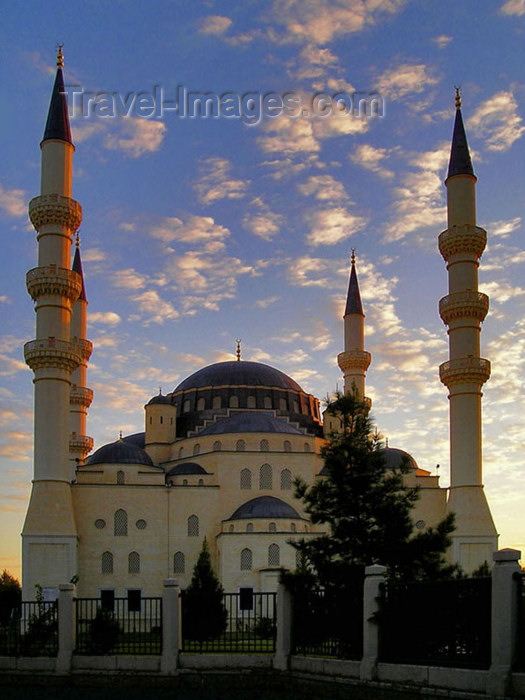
column 355, row 360
column 80, row 397
column 49, row 538
column 463, row 310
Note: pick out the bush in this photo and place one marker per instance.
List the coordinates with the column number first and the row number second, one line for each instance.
column 104, row 632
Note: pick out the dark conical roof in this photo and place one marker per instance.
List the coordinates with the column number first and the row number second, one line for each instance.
column 57, row 125
column 77, row 267
column 353, row 298
column 460, row 162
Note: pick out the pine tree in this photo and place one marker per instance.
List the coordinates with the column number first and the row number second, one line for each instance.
column 10, row 596
column 366, row 508
column 203, row 613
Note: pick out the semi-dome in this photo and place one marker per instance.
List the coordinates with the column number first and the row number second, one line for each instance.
column 187, row 468
column 120, row 452
column 251, row 422
column 238, row 373
column 264, row 507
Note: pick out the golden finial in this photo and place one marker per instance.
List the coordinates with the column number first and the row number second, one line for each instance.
column 160, row 391
column 352, row 257
column 238, row 350
column 60, row 56
column 458, row 97
column 386, row 442
column 120, row 436
column 77, row 240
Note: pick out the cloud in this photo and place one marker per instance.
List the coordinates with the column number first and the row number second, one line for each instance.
column 442, row 41
column 156, row 309
column 497, row 121
column 10, row 365
column 306, row 271
column 329, row 226
column 261, row 220
column 4, row 299
column 128, row 279
column 109, row 318
column 504, row 228
column 288, row 136
column 216, row 182
column 371, row 158
column 513, row 7
column 501, row 291
column 13, row 202
column 405, row 79
column 214, row 24
column 324, row 188
column 192, row 229
column 93, row 255
column 264, row 303
column 136, row 137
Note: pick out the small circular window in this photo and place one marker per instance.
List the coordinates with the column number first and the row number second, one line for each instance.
column 141, row 524
column 420, row 524
column 100, row 524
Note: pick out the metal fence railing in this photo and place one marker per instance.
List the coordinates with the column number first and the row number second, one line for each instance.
column 243, row 622
column 118, row 626
column 30, row 629
column 519, row 664
column 437, row 623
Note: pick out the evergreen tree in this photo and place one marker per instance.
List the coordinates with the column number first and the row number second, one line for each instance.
column 10, row 596
column 366, row 508
column 203, row 613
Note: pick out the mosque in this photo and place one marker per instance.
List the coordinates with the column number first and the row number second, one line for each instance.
column 219, row 453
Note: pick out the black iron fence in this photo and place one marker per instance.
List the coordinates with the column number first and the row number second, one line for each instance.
column 520, row 655
column 329, row 622
column 437, row 623
column 30, row 629
column 243, row 622
column 118, row 626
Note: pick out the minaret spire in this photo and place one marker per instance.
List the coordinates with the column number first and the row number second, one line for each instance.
column 57, row 125
column 460, row 162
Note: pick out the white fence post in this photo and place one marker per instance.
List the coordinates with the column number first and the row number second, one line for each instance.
column 505, row 590
column 283, row 649
column 171, row 624
column 374, row 576
column 66, row 627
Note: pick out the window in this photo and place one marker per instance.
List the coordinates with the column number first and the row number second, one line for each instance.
column 286, row 480
column 181, row 452
column 306, row 447
column 120, row 477
column 134, row 601
column 107, row 563
column 264, row 446
column 120, row 524
column 161, row 420
column 287, row 446
column 298, row 559
column 217, row 403
column 250, row 402
column 293, row 528
column 196, row 449
column 201, row 482
column 200, row 404
column 141, row 524
column 179, row 563
column 217, row 446
column 240, row 446
column 246, row 559
column 186, row 406
column 231, row 528
column 295, row 407
column 107, row 599
column 134, row 563
column 245, row 598
column 193, row 526
column 267, row 402
column 185, row 482
column 246, row 479
column 283, row 405
column 234, row 402
column 272, row 528
column 100, row 524
column 274, row 555
column 249, row 527
column 265, row 477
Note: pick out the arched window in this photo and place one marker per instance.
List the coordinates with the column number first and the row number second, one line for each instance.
column 240, row 446
column 265, row 477
column 274, row 555
column 306, row 447
column 186, row 406
column 107, row 563
column 264, row 446
column 295, row 407
column 193, row 526
column 298, row 559
column 232, row 529
column 185, row 482
column 196, row 449
column 283, row 405
column 250, row 402
column 293, row 528
column 120, row 477
column 120, row 523
column 286, row 480
column 272, row 527
column 234, row 402
column 246, row 559
column 217, row 403
column 246, row 479
column 217, row 446
column 201, row 482
column 200, row 404
column 134, row 563
column 287, row 446
column 267, row 402
column 179, row 563
column 181, row 452
column 249, row 527
column 161, row 420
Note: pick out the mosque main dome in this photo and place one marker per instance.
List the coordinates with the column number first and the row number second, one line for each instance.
column 238, row 373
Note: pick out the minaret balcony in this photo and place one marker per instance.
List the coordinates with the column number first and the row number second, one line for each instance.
column 85, row 347
column 57, row 210
column 53, row 280
column 465, row 370
column 357, row 360
column 467, row 304
column 80, row 396
column 52, row 353
column 462, row 239
column 80, row 444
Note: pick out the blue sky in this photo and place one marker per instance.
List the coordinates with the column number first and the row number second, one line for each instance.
column 199, row 231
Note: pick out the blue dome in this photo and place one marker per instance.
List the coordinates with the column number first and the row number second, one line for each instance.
column 394, row 457
column 264, row 507
column 187, row 468
column 138, row 439
column 120, row 452
column 238, row 373
column 250, row 422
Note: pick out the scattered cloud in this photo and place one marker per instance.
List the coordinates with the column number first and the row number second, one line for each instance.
column 191, row 229
column 513, row 7
column 261, row 220
column 504, row 228
column 288, row 136
column 497, row 121
column 155, row 309
column 13, row 202
column 372, row 158
column 405, row 79
column 109, row 318
column 214, row 24
column 324, row 188
column 136, row 136
column 329, row 226
column 442, row 41
column 128, row 279
column 216, row 182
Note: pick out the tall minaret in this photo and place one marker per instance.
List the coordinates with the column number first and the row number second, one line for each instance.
column 355, row 360
column 463, row 311
column 81, row 396
column 49, row 537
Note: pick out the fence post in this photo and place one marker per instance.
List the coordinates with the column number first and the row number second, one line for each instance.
column 171, row 624
column 283, row 649
column 66, row 627
column 374, row 575
column 505, row 591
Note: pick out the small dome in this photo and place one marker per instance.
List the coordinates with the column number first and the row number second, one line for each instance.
column 186, row 468
column 159, row 398
column 120, row 452
column 264, row 507
column 250, row 422
column 394, row 457
column 238, row 373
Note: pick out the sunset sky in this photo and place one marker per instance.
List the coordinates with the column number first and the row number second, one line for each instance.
column 199, row 231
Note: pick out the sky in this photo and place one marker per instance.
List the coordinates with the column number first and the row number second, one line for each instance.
column 239, row 224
